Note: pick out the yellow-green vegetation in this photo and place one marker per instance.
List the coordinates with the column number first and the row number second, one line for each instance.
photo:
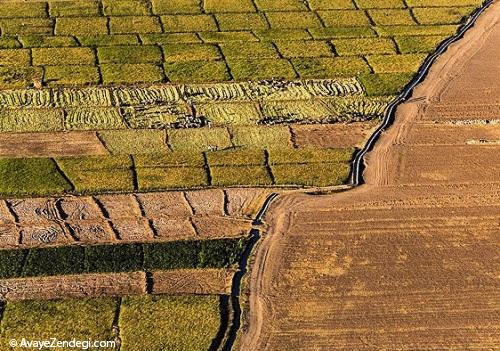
column 199, row 139
column 187, row 323
column 31, row 177
column 142, row 141
column 80, row 319
column 261, row 137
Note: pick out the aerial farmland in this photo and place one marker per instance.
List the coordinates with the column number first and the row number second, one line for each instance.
column 205, row 175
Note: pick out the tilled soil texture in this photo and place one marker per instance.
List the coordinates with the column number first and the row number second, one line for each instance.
column 409, row 260
column 147, row 217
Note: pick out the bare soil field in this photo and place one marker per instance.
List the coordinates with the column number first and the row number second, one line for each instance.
column 409, row 260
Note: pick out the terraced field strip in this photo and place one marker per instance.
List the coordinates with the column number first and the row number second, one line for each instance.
column 124, row 320
column 125, row 42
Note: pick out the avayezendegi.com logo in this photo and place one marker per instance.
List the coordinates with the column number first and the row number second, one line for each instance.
column 54, row 343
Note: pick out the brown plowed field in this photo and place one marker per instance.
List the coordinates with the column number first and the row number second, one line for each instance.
column 408, row 261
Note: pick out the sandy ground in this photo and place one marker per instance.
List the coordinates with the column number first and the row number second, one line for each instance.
column 408, row 261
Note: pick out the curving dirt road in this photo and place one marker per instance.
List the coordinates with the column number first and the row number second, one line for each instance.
column 408, row 261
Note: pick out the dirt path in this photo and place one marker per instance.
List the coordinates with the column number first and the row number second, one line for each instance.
column 408, row 261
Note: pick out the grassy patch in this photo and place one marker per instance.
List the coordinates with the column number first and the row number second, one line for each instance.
column 326, row 67
column 11, row 263
column 385, row 84
column 164, row 178
column 170, row 38
column 282, row 34
column 261, row 136
column 240, row 175
column 129, row 54
column 238, row 157
column 133, row 141
column 109, row 40
column 201, row 139
column 43, row 41
column 9, row 43
column 93, row 118
column 125, row 8
column 292, row 20
column 344, row 18
column 73, row 8
column 113, row 258
column 391, row 17
column 14, row 57
column 134, row 24
column 19, row 77
column 442, row 15
column 280, row 5
column 189, row 23
column 380, row 4
column 446, row 3
column 30, row 176
column 30, row 120
column 418, row 44
column 308, row 156
column 331, row 5
column 222, row 37
column 396, row 63
column 215, row 6
column 83, row 319
column 170, row 159
column 71, row 75
column 241, row 21
column 261, row 69
column 231, row 113
column 19, row 9
column 162, row 7
column 188, row 322
column 342, row 32
column 46, row 262
column 26, row 26
column 306, row 48
column 131, row 73
column 196, row 71
column 93, row 174
column 190, row 52
column 364, row 46
column 250, row 50
column 316, row 174
column 390, row 31
column 81, row 25
column 63, row 56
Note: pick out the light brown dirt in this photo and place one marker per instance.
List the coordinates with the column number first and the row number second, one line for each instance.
column 193, row 281
column 332, row 135
column 73, row 286
column 50, row 144
column 408, row 261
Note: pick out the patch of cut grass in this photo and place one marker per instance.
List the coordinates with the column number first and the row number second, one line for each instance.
column 385, row 84
column 364, row 46
column 196, row 71
column 331, row 5
column 306, row 48
column 170, row 159
column 282, row 34
column 236, row 157
column 261, row 136
column 309, row 155
column 261, row 69
column 162, row 7
column 190, row 52
column 201, row 139
column 391, row 17
column 109, row 40
column 235, row 50
column 43, row 41
column 73, row 8
column 189, row 23
column 93, row 118
column 128, row 142
column 188, row 322
column 245, row 113
column 220, row 6
column 396, row 63
column 95, row 174
column 83, row 319
column 240, row 175
column 280, row 5
column 442, row 15
column 293, row 20
column 131, row 73
column 30, row 120
column 125, row 8
column 344, row 32
column 344, row 18
column 71, row 75
column 241, row 21
column 327, row 67
column 315, row 174
column 418, row 44
column 380, row 4
column 391, row 31
column 134, row 24
column 129, row 54
column 31, row 176
column 164, row 178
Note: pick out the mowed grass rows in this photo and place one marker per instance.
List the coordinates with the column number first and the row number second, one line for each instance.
column 140, row 323
column 76, row 259
column 174, row 170
column 128, row 41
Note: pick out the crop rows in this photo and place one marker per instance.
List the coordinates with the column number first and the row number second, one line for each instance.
column 117, row 258
column 126, row 320
column 126, row 42
column 173, row 170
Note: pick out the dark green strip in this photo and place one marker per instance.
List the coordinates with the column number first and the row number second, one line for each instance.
column 120, row 258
